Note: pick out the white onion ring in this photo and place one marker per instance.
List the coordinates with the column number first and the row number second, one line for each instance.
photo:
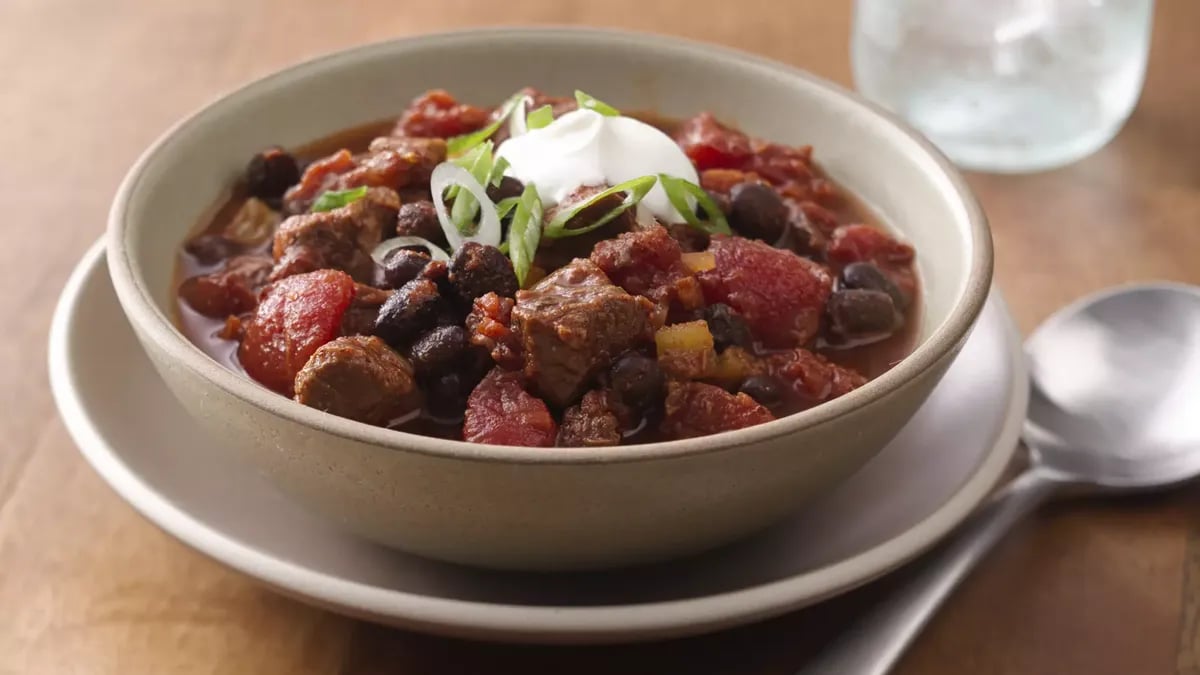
column 380, row 252
column 448, row 173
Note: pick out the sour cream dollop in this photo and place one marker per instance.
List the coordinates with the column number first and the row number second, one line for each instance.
column 584, row 147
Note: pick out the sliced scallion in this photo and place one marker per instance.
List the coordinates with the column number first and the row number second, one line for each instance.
column 678, row 190
column 460, row 144
column 497, row 172
column 539, row 118
column 487, row 232
column 634, row 191
column 333, row 199
column 479, row 162
column 589, row 102
column 505, row 206
column 525, row 232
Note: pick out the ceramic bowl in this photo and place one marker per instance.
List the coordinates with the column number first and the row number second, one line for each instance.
column 549, row 508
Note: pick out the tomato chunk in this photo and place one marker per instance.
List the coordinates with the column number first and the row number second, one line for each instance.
column 863, row 243
column 780, row 294
column 501, row 412
column 296, row 315
column 438, row 114
column 698, row 409
column 712, row 145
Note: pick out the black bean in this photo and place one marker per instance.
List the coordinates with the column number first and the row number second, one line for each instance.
column 402, row 265
column 860, row 312
column 769, row 391
column 210, row 249
column 410, row 311
column 508, row 187
column 728, row 328
column 270, row 173
column 476, row 270
column 446, row 396
column 865, row 275
column 756, row 211
column 439, row 350
column 419, row 219
column 637, row 380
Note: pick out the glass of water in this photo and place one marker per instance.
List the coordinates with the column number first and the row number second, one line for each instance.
column 1005, row 85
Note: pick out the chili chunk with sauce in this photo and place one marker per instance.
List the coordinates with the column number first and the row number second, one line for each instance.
column 467, row 272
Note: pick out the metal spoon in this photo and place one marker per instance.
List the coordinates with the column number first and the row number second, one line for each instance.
column 1114, row 407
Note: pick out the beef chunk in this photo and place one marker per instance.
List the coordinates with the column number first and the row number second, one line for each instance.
column 361, row 378
column 489, row 326
column 394, row 163
column 572, row 324
column 591, row 423
column 649, row 262
column 233, row 289
column 698, row 409
column 339, row 239
column 501, row 412
column 360, row 316
column 779, row 294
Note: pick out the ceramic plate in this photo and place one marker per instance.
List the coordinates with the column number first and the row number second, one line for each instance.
column 926, row 481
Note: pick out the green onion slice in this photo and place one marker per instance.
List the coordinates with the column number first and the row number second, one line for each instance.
column 447, row 175
column 480, row 163
column 634, row 191
column 588, row 102
column 539, row 118
column 460, row 144
column 525, row 231
column 505, row 206
column 678, row 190
column 497, row 173
column 333, row 199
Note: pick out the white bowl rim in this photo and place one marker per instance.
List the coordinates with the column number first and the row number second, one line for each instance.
column 137, row 299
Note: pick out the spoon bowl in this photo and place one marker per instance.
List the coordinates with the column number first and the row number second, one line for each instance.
column 1115, row 379
column 1114, row 406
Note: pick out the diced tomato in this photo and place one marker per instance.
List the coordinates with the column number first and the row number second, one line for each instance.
column 698, row 409
column 501, row 412
column 438, row 114
column 781, row 164
column 813, row 378
column 780, row 294
column 863, row 243
column 712, row 145
column 320, row 176
column 296, row 315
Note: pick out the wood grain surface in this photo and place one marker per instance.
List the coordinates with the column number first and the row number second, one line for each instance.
column 87, row 586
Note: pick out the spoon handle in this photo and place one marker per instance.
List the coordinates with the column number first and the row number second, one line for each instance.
column 875, row 643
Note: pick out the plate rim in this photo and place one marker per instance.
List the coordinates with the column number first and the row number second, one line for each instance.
column 504, row 621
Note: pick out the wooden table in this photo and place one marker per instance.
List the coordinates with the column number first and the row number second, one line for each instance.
column 87, row 586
